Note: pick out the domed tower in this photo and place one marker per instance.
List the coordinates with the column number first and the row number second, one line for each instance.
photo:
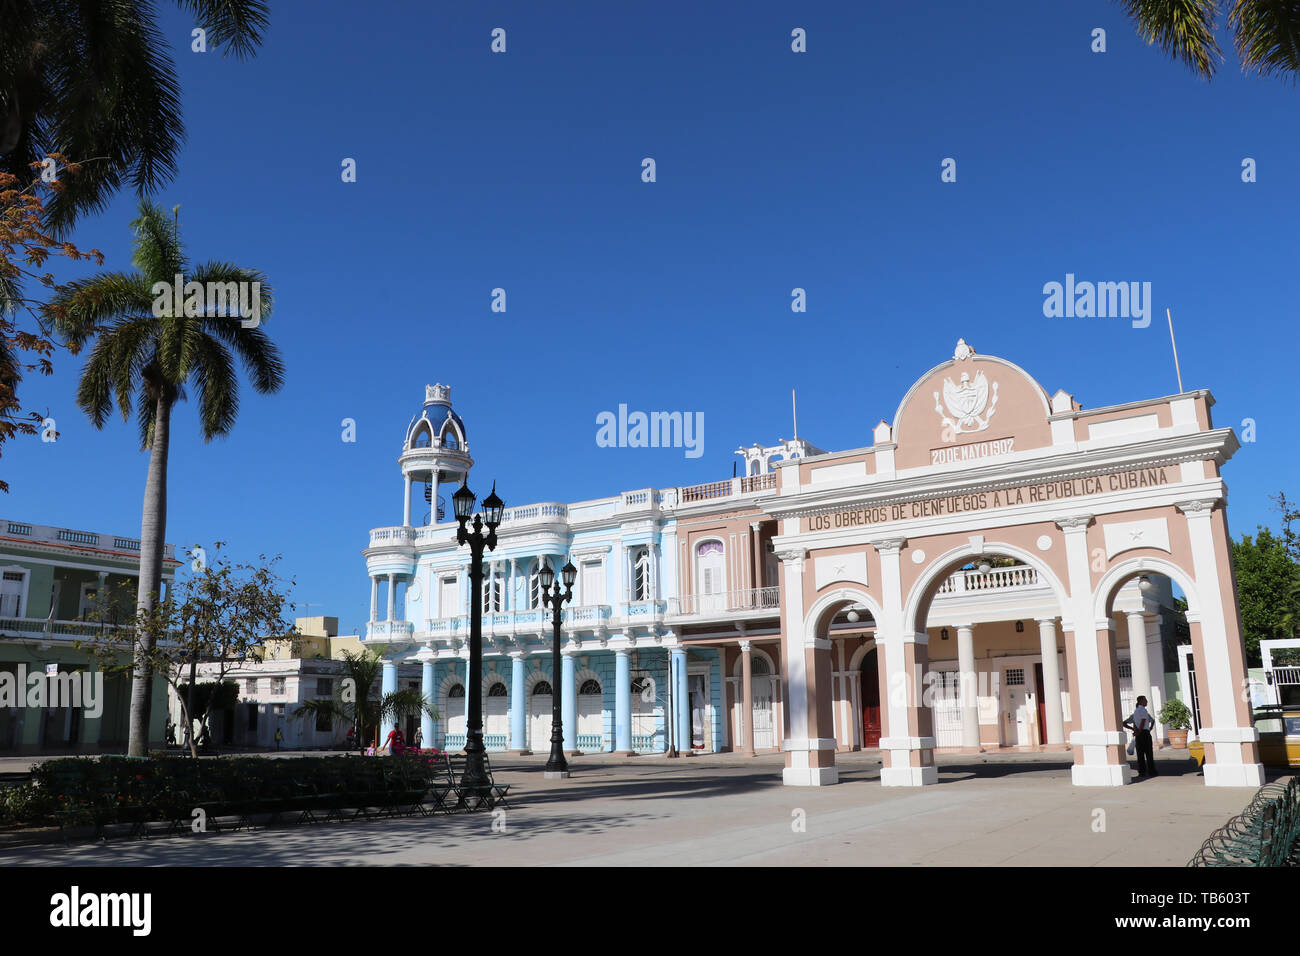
column 435, row 452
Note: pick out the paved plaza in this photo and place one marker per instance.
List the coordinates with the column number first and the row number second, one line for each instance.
column 987, row 810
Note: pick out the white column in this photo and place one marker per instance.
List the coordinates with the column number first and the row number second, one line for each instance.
column 392, row 596
column 896, row 649
column 374, row 598
column 1100, row 750
column 406, row 502
column 1137, row 655
column 1227, row 727
column 1051, row 680
column 970, row 714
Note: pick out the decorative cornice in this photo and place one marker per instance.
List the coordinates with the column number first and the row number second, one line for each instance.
column 1016, row 472
column 889, row 546
column 1197, row 506
column 793, row 556
column 1073, row 522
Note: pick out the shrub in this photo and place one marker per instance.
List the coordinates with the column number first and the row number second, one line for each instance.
column 1175, row 715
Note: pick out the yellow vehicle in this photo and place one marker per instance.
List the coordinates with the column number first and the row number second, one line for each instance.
column 1279, row 738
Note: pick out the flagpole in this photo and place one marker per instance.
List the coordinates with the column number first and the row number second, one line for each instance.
column 794, row 408
column 1179, row 371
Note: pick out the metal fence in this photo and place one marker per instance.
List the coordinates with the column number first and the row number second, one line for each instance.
column 1266, row 833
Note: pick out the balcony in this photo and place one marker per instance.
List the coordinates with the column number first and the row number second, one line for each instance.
column 727, row 603
column 44, row 534
column 390, row 630
column 41, row 628
column 390, row 537
column 998, row 579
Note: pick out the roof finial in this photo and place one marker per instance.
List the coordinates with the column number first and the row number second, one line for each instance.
column 963, row 351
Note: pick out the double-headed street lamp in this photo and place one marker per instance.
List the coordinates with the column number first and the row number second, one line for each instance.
column 556, row 766
column 475, row 774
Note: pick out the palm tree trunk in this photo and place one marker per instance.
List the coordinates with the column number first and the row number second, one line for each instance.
column 153, row 528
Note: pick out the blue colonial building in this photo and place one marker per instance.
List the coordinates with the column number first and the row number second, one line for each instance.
column 644, row 636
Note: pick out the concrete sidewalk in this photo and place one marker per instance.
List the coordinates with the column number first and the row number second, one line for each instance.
column 991, row 810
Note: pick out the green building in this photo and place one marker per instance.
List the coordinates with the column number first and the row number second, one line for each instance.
column 56, row 585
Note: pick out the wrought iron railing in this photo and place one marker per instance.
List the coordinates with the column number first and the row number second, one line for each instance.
column 1266, row 833
column 748, row 599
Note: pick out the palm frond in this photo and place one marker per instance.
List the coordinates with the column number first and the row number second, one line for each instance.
column 218, row 384
column 85, row 306
column 1267, row 36
column 157, row 250
column 103, row 89
column 1184, row 29
column 238, row 26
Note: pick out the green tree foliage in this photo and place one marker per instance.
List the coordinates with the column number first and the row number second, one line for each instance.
column 1268, row 588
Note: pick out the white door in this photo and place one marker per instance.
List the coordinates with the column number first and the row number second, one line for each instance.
column 496, row 720
column 591, row 714
column 645, row 713
column 11, row 593
column 454, row 712
column 710, row 577
column 947, row 710
column 593, row 583
column 701, row 722
column 1018, row 717
column 449, row 602
column 763, row 723
column 539, row 718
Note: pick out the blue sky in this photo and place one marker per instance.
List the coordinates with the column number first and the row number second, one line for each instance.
column 775, row 170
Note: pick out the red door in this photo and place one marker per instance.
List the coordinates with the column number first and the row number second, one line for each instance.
column 1042, row 705
column 870, row 700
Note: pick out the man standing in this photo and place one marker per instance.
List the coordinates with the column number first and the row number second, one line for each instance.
column 1141, row 724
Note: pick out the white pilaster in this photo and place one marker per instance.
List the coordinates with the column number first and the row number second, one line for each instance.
column 1051, row 680
column 970, row 715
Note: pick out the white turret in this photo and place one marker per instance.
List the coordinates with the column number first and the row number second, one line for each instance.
column 434, row 452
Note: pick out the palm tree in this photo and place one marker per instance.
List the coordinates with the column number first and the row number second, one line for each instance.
column 95, row 82
column 147, row 355
column 353, row 704
column 1266, row 33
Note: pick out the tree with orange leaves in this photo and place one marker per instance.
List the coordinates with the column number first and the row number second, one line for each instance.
column 26, row 248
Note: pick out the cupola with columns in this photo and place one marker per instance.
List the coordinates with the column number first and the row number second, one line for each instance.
column 435, row 452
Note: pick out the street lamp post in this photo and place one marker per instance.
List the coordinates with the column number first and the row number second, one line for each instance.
column 475, row 773
column 556, row 766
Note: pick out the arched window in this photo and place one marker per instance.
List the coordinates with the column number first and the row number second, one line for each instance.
column 589, row 687
column 541, row 689
column 641, row 590
column 710, row 576
column 497, row 690
column 758, row 666
column 449, row 438
column 457, row 690
column 493, row 590
column 535, row 586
